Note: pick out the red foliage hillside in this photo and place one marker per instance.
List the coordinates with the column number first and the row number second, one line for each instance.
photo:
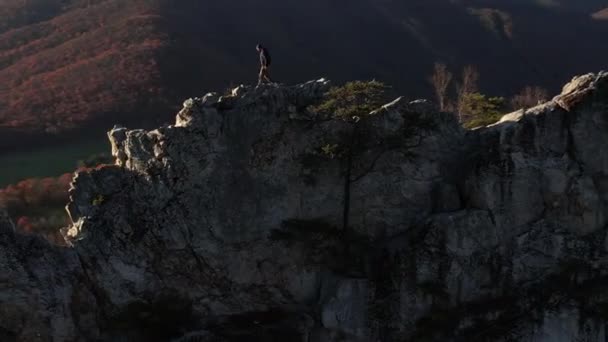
column 79, row 65
column 37, row 205
column 64, row 64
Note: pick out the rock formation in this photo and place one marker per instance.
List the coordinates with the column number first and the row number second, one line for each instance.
column 253, row 219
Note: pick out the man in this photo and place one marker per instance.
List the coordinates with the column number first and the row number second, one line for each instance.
column 264, row 64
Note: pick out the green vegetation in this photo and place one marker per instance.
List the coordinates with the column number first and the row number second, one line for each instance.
column 98, row 200
column 482, row 110
column 37, row 204
column 354, row 100
column 330, row 150
column 48, row 161
column 472, row 108
column 354, row 103
column 140, row 57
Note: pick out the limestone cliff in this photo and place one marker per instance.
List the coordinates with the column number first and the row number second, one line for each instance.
column 253, row 219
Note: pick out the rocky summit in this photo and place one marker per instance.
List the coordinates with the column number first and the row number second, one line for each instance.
column 255, row 219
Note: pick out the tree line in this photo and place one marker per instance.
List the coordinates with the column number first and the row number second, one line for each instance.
column 462, row 97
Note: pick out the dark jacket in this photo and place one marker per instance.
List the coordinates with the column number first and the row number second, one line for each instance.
column 265, row 57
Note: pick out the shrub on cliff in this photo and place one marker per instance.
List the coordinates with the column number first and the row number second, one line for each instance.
column 354, row 100
column 481, row 110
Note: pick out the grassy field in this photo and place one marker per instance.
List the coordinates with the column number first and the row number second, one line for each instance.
column 49, row 161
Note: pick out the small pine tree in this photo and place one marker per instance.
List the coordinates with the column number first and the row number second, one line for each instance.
column 482, row 110
column 354, row 100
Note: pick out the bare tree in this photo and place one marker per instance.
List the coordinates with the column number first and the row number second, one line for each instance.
column 529, row 97
column 470, row 77
column 468, row 85
column 440, row 80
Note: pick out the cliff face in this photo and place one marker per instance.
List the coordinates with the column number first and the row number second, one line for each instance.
column 253, row 219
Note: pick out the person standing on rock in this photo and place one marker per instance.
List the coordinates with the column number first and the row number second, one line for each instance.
column 264, row 64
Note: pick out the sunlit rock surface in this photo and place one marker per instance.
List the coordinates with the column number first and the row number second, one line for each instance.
column 253, row 219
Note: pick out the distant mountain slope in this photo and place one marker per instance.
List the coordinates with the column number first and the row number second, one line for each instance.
column 79, row 65
column 69, row 63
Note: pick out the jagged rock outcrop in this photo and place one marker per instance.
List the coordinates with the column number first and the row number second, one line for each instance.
column 254, row 219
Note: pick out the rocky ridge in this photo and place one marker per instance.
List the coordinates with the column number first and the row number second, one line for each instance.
column 252, row 218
